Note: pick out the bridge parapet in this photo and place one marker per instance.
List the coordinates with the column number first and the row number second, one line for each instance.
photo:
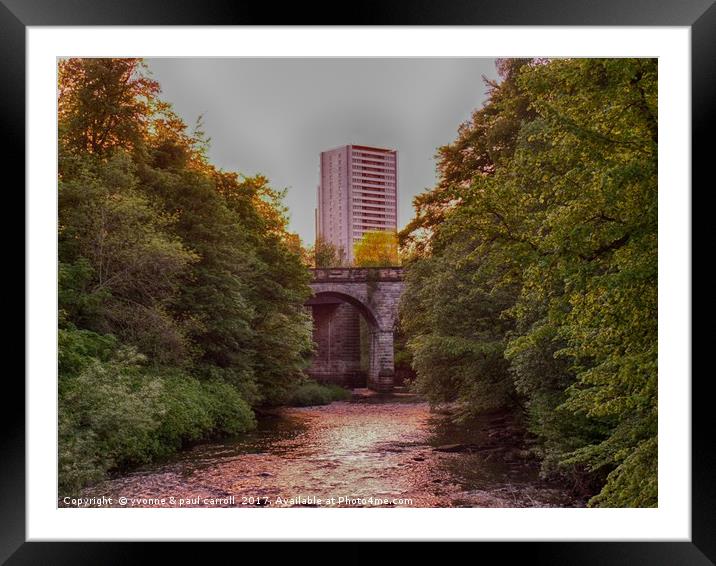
column 356, row 274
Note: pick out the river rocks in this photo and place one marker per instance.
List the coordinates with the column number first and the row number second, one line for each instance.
column 508, row 452
column 445, row 409
column 467, row 448
column 505, row 434
column 510, row 455
column 352, row 449
column 452, row 448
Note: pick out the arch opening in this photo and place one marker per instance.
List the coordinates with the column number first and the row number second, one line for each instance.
column 344, row 330
column 321, row 296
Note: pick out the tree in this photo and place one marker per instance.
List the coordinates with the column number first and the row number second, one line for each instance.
column 104, row 104
column 377, row 249
column 550, row 247
column 279, row 286
column 185, row 269
column 120, row 266
column 483, row 142
column 451, row 311
column 326, row 254
column 596, row 143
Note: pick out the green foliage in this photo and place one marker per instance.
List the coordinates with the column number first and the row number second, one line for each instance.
column 312, row 393
column 119, row 413
column 120, row 267
column 161, row 254
column 402, row 355
column 483, row 142
column 451, row 312
column 538, row 250
column 79, row 348
column 106, row 418
column 325, row 254
column 194, row 409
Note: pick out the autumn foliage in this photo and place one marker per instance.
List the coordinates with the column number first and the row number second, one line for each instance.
column 377, row 249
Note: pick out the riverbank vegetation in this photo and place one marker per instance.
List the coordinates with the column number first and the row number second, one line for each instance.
column 311, row 393
column 181, row 290
column 532, row 278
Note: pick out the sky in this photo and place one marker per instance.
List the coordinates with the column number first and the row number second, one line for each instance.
column 274, row 116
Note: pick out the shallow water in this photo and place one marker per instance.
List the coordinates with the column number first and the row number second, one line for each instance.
column 373, row 451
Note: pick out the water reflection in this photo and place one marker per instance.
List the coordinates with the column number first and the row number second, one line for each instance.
column 391, row 449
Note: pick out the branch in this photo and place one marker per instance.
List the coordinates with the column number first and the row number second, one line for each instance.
column 616, row 244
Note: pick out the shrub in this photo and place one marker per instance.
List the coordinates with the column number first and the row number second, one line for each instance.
column 117, row 414
column 312, row 393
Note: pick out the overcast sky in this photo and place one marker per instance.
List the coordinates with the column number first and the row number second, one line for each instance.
column 275, row 116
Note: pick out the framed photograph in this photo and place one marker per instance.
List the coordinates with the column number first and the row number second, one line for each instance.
column 420, row 275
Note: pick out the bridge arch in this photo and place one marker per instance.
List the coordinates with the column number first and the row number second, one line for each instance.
column 341, row 296
column 356, row 302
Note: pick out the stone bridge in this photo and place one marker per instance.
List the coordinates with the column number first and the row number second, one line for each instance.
column 355, row 310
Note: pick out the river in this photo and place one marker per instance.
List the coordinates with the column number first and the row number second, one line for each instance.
column 376, row 450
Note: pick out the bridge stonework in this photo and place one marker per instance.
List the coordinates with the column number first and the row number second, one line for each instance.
column 374, row 292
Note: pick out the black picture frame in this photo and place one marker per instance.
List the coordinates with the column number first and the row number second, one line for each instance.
column 699, row 15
